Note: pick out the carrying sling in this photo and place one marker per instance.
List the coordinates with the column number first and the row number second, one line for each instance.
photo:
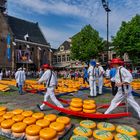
column 49, row 79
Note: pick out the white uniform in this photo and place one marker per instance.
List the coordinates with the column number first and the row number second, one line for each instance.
column 92, row 80
column 1, row 74
column 119, row 97
column 50, row 88
column 20, row 77
column 100, row 72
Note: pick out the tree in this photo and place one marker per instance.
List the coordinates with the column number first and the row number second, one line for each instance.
column 86, row 44
column 127, row 39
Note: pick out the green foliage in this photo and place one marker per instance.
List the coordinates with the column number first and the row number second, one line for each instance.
column 86, row 44
column 127, row 39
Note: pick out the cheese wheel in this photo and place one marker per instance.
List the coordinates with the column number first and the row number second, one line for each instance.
column 102, row 135
column 3, row 108
column 43, row 123
column 76, row 100
column 17, row 111
column 28, row 137
column 2, row 113
column 47, row 133
column 57, row 126
column 61, row 133
column 124, row 137
column 27, row 113
column 8, row 115
column 106, row 126
column 64, row 120
column 88, row 124
column 124, row 129
column 33, row 130
column 6, row 131
column 7, row 124
column 76, row 104
column 82, row 131
column 19, row 127
column 18, row 118
column 38, row 115
column 89, row 106
column 18, row 135
column 89, row 101
column 1, row 119
column 89, row 111
column 76, row 137
column 50, row 117
column 75, row 109
column 29, row 120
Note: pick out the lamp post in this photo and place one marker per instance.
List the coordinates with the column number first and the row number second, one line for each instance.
column 105, row 6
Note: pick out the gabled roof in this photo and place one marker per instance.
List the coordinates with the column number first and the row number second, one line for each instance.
column 22, row 27
column 66, row 45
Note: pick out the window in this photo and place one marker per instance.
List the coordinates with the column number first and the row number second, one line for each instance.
column 62, row 48
column 63, row 58
column 68, row 57
column 59, row 59
column 54, row 59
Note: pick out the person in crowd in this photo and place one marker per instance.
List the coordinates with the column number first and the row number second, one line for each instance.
column 100, row 73
column 107, row 75
column 92, row 78
column 51, row 82
column 85, row 75
column 112, row 79
column 123, row 79
column 1, row 74
column 20, row 79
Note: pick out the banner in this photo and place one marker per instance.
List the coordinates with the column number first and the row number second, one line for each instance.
column 8, row 41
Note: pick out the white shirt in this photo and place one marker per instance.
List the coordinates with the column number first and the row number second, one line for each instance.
column 46, row 76
column 20, row 77
column 99, row 71
column 91, row 72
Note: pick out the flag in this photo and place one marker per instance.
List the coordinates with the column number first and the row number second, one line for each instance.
column 8, row 41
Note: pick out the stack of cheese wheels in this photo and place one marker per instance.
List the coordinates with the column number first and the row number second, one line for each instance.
column 6, row 125
column 64, row 120
column 1, row 119
column 76, row 105
column 18, row 118
column 102, row 135
column 38, row 115
column 76, row 137
column 18, row 129
column 8, row 115
column 124, row 129
column 58, row 127
column 82, row 131
column 27, row 113
column 32, row 132
column 17, row 111
column 43, row 123
column 88, row 124
column 29, row 120
column 48, row 134
column 106, row 126
column 89, row 106
column 50, row 117
column 120, row 136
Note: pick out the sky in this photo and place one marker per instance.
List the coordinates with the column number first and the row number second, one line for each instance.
column 61, row 19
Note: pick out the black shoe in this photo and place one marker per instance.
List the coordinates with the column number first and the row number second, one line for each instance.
column 38, row 106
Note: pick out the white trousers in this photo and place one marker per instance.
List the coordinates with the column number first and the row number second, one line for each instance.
column 50, row 93
column 119, row 97
column 100, row 85
column 92, row 84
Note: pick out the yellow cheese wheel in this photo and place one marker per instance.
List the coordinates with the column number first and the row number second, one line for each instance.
column 19, row 127
column 17, row 111
column 76, row 100
column 57, row 126
column 102, row 135
column 38, row 115
column 3, row 108
column 8, row 115
column 89, row 106
column 28, row 137
column 33, row 130
column 89, row 101
column 29, row 120
column 124, row 129
column 89, row 111
column 76, row 137
column 1, row 119
column 75, row 109
column 124, row 137
column 106, row 126
column 7, row 124
column 43, row 123
column 18, row 135
column 18, row 118
column 64, row 120
column 2, row 113
column 76, row 104
column 82, row 131
column 48, row 134
column 88, row 124
column 27, row 113
column 50, row 117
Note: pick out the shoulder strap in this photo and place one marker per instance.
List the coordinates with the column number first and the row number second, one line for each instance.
column 121, row 78
column 50, row 79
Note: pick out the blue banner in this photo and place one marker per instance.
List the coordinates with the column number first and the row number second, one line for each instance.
column 8, row 41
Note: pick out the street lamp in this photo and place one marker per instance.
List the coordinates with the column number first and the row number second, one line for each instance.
column 105, row 5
